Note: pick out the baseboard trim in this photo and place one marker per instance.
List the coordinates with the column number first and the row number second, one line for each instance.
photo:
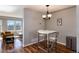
column 43, row 40
column 32, row 43
column 61, row 43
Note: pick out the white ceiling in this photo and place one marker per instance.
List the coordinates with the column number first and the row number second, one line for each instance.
column 11, row 10
column 18, row 9
column 51, row 8
column 39, row 8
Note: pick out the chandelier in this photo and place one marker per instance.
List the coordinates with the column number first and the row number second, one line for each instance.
column 48, row 15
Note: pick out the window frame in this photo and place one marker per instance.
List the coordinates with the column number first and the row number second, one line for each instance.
column 14, row 25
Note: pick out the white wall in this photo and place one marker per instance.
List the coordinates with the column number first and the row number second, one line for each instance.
column 32, row 23
column 77, row 23
column 68, row 27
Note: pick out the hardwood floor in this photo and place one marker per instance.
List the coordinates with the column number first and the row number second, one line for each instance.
column 17, row 47
column 34, row 49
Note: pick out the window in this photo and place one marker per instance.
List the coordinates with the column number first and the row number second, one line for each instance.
column 18, row 25
column 0, row 25
column 14, row 25
column 10, row 24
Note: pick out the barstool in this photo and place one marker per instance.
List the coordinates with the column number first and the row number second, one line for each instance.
column 52, row 43
column 42, row 42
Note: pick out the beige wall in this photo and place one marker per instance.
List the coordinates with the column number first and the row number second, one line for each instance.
column 68, row 27
column 32, row 23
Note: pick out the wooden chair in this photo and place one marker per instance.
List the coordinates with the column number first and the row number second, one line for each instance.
column 8, row 40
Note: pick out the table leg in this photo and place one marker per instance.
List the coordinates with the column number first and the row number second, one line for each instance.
column 38, row 42
column 56, row 42
column 47, row 43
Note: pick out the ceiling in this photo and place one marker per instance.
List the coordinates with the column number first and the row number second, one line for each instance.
column 39, row 8
column 51, row 8
column 18, row 9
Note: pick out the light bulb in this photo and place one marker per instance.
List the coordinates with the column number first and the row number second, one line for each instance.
column 49, row 15
column 43, row 16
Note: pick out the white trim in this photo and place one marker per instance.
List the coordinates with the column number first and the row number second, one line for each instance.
column 31, row 43
column 62, row 43
column 41, row 41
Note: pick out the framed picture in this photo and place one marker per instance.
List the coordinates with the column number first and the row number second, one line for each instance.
column 59, row 22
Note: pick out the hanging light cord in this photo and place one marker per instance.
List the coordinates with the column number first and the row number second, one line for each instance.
column 47, row 9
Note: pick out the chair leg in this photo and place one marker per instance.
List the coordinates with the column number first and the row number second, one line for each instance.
column 52, row 47
column 55, row 46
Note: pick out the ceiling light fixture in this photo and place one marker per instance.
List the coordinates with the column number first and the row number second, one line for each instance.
column 48, row 15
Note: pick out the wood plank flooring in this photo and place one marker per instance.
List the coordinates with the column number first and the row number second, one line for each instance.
column 42, row 49
column 34, row 49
